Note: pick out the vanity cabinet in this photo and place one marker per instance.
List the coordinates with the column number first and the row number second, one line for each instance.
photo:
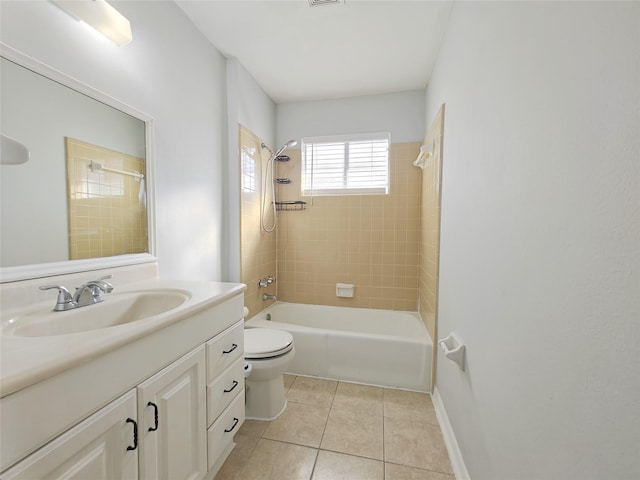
column 171, row 427
column 155, row 432
column 175, row 424
column 100, row 448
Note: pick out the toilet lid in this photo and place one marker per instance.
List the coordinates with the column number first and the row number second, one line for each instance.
column 266, row 342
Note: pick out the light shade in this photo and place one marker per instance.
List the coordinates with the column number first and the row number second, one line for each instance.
column 101, row 16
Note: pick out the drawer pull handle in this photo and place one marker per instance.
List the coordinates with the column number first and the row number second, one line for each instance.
column 155, row 416
column 235, row 384
column 135, row 434
column 235, row 423
column 233, row 347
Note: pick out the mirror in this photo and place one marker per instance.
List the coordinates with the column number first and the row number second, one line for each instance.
column 83, row 198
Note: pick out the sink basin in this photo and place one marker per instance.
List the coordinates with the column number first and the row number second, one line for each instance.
column 116, row 309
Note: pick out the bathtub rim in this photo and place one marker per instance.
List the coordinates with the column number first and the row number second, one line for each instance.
column 260, row 318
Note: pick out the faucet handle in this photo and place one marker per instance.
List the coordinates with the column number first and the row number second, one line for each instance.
column 105, row 286
column 65, row 299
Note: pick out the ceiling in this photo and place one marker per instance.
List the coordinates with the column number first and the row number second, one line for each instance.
column 298, row 52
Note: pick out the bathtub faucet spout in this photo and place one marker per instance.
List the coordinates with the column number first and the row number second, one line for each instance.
column 266, row 296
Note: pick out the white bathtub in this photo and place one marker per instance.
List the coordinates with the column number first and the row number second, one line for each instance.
column 375, row 347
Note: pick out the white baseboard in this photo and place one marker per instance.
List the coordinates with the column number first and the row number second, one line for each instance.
column 455, row 455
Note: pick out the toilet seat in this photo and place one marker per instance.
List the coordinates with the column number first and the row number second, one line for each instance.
column 261, row 343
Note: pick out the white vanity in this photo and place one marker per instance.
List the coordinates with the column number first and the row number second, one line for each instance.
column 155, row 397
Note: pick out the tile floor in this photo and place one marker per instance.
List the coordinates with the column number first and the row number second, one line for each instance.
column 342, row 431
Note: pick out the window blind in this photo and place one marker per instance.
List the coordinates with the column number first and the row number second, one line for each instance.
column 355, row 164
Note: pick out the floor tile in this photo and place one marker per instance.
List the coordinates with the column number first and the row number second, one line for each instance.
column 276, row 460
column 337, row 466
column 402, row 472
column 354, row 433
column 300, row 424
column 359, row 398
column 288, row 381
column 253, row 428
column 239, row 456
column 415, row 444
column 407, row 405
column 312, row 391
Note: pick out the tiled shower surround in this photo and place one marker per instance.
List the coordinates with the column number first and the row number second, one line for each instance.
column 258, row 248
column 371, row 241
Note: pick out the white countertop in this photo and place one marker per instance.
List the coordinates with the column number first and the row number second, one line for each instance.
column 25, row 361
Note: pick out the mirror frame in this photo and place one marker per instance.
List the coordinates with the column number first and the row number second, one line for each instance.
column 41, row 270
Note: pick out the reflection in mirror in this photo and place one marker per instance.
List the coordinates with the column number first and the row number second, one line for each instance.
column 71, row 199
column 107, row 202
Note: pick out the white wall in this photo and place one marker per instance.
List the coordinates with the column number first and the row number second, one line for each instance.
column 173, row 74
column 540, row 257
column 400, row 113
column 248, row 105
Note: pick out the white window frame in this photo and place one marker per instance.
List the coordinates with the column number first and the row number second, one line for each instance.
column 308, row 189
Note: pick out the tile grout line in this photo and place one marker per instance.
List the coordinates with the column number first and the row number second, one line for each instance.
column 323, row 432
column 384, row 456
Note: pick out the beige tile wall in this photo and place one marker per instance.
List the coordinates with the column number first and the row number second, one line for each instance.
column 371, row 241
column 106, row 214
column 258, row 248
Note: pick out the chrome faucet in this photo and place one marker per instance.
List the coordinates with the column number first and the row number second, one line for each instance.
column 87, row 294
column 266, row 296
column 91, row 292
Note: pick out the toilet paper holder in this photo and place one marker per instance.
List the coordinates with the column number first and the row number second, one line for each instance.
column 453, row 349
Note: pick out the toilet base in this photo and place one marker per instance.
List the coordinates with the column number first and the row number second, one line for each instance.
column 265, row 400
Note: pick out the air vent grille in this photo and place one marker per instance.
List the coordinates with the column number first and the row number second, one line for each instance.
column 319, row 3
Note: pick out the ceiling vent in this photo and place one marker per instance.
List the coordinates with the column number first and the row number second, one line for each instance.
column 319, row 3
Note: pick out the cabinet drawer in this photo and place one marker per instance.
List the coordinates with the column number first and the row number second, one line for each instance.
column 224, row 389
column 224, row 349
column 220, row 435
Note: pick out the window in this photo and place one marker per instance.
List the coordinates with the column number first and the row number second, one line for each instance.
column 248, row 172
column 346, row 164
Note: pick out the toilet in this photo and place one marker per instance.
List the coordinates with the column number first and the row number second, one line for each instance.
column 268, row 353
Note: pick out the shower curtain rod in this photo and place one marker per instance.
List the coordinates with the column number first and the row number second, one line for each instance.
column 97, row 166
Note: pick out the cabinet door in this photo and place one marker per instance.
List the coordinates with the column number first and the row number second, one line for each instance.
column 102, row 447
column 172, row 430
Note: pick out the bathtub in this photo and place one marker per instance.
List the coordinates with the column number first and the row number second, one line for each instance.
column 374, row 347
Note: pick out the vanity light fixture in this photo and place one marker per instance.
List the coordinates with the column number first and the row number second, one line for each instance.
column 101, row 16
column 12, row 152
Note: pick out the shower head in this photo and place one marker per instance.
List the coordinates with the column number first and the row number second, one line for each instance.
column 289, row 144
